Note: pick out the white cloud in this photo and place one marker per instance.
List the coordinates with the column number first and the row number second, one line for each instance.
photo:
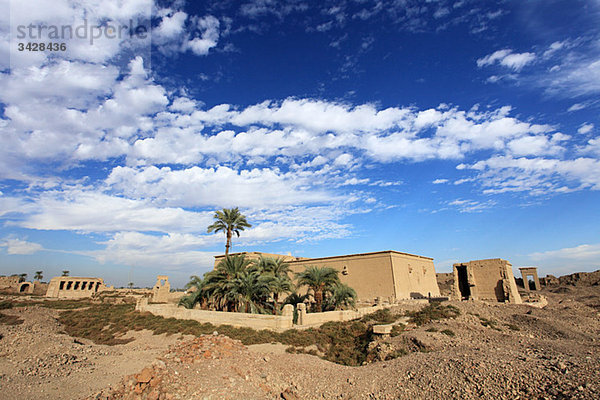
column 92, row 211
column 471, row 206
column 439, row 181
column 168, row 252
column 585, row 128
column 208, row 37
column 16, row 246
column 506, row 58
column 538, row 176
column 585, row 257
column 218, row 187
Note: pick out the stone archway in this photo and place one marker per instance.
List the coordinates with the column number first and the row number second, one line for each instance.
column 25, row 287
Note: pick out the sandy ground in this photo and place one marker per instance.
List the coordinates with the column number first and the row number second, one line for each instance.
column 554, row 354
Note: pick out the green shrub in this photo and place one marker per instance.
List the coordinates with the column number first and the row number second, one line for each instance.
column 397, row 330
column 433, row 312
column 432, row 329
column 384, row 316
column 490, row 323
column 448, row 332
column 4, row 305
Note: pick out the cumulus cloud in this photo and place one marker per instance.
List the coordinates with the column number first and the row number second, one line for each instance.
column 16, row 246
column 202, row 187
column 91, row 211
column 537, row 175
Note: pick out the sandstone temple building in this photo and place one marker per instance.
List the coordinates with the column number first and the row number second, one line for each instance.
column 387, row 275
column 68, row 287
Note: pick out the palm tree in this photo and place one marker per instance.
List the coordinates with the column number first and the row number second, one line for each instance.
column 217, row 280
column 319, row 279
column 280, row 281
column 249, row 290
column 230, row 221
column 39, row 275
column 341, row 296
column 65, row 273
column 130, row 285
column 22, row 277
column 278, row 285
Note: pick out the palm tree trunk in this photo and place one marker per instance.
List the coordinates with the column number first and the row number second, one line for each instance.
column 319, row 299
column 228, row 243
column 275, row 300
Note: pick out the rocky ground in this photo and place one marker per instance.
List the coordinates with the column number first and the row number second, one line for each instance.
column 489, row 351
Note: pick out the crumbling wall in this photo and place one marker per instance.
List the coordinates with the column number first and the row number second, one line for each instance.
column 9, row 282
column 488, row 280
column 162, row 289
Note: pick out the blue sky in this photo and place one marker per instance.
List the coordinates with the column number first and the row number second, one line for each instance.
column 457, row 130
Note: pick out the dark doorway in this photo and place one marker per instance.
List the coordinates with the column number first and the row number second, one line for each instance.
column 531, row 284
column 24, row 287
column 463, row 282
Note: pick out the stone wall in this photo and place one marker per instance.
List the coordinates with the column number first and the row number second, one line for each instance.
column 277, row 323
column 255, row 321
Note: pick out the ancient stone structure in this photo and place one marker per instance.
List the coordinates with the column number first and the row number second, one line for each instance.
column 9, row 282
column 161, row 290
column 13, row 284
column 26, row 287
column 488, row 280
column 388, row 275
column 68, row 287
column 527, row 272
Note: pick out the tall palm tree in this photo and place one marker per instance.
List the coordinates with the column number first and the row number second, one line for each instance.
column 65, row 273
column 319, row 279
column 22, row 277
column 230, row 221
column 39, row 275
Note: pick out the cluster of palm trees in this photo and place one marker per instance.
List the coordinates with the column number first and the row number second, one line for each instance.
column 257, row 286
column 241, row 285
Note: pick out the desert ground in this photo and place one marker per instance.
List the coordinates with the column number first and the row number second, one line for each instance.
column 499, row 351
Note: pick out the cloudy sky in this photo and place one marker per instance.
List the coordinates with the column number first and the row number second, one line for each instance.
column 457, row 130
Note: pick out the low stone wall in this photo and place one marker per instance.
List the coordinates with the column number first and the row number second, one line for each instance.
column 256, row 321
column 316, row 319
column 277, row 323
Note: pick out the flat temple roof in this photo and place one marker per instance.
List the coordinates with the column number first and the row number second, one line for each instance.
column 363, row 254
column 302, row 259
